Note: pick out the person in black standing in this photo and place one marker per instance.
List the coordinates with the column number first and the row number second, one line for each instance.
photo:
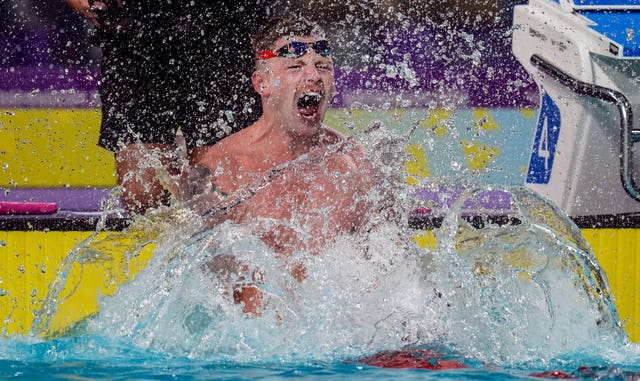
column 169, row 65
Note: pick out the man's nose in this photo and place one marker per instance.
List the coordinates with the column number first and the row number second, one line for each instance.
column 311, row 74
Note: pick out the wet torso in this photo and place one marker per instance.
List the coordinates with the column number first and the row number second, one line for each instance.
column 298, row 205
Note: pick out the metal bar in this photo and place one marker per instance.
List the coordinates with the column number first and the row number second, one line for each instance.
column 628, row 135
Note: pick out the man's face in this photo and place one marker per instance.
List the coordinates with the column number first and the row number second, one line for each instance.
column 298, row 90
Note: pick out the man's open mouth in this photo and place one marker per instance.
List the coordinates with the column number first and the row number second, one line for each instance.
column 309, row 102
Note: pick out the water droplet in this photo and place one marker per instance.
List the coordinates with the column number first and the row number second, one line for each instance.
column 630, row 34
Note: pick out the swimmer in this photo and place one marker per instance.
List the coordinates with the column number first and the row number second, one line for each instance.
column 306, row 181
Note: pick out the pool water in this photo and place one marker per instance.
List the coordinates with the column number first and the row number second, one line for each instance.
column 79, row 370
column 94, row 357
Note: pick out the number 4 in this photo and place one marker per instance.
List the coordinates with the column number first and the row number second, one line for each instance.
column 543, row 144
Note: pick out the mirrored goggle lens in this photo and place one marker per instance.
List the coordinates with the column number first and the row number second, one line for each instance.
column 322, row 47
column 296, row 49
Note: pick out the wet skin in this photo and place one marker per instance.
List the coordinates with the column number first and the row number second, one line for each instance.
column 324, row 194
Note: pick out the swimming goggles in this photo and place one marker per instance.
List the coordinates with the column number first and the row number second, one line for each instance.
column 296, row 49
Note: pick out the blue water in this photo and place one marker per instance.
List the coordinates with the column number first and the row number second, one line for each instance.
column 189, row 370
column 94, row 357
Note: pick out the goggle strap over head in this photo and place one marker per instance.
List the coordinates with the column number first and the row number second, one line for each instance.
column 265, row 54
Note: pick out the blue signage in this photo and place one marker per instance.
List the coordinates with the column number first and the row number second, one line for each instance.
column 605, row 3
column 544, row 142
column 619, row 26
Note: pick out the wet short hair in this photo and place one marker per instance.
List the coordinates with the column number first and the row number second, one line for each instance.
column 279, row 27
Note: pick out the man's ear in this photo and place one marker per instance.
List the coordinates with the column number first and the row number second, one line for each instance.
column 258, row 80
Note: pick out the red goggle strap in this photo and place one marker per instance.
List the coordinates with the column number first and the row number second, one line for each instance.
column 265, row 54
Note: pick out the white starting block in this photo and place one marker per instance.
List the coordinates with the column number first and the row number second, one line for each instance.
column 585, row 57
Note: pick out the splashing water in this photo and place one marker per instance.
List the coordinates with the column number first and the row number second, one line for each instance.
column 500, row 294
column 528, row 292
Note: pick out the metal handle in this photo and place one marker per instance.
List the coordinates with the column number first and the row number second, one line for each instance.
column 628, row 135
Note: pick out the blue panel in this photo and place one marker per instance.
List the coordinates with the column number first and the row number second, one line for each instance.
column 605, row 3
column 623, row 27
column 544, row 142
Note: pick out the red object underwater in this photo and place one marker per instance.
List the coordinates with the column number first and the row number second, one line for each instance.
column 430, row 359
column 413, row 359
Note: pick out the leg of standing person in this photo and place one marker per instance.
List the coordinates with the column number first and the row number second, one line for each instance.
column 137, row 90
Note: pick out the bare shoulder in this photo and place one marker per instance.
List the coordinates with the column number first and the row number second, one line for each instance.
column 217, row 155
column 226, row 151
column 225, row 159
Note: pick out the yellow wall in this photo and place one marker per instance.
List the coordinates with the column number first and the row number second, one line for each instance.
column 618, row 253
column 53, row 147
column 29, row 262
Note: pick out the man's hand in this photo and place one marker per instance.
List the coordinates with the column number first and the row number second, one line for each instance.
column 243, row 280
column 190, row 183
column 250, row 297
